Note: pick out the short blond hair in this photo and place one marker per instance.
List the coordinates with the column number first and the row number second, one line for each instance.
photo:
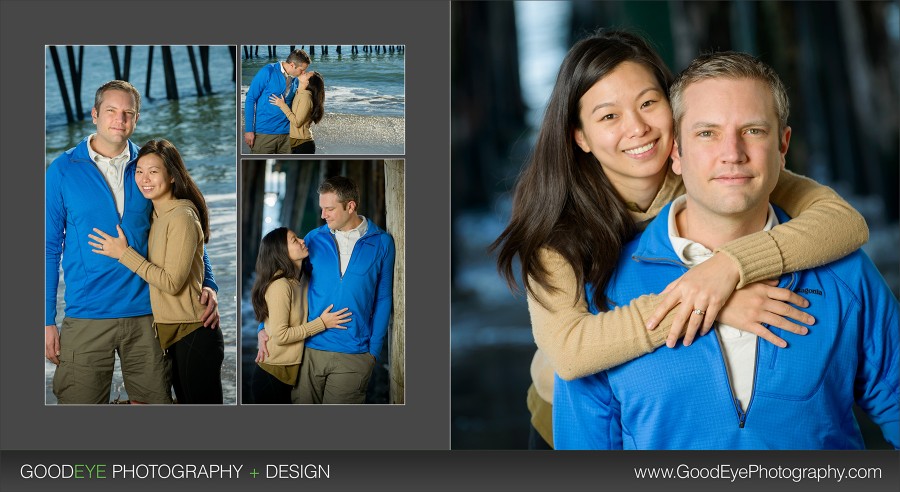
column 728, row 65
column 118, row 85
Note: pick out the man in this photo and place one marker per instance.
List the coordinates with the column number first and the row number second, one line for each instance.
column 726, row 391
column 351, row 265
column 266, row 128
column 107, row 306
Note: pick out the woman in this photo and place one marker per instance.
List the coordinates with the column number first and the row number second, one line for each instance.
column 174, row 270
column 308, row 107
column 589, row 188
column 279, row 300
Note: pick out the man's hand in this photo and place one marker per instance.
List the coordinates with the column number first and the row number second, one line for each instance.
column 51, row 343
column 249, row 137
column 261, row 350
column 210, row 299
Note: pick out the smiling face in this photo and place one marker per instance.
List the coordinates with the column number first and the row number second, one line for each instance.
column 115, row 118
column 731, row 150
column 626, row 123
column 296, row 248
column 152, row 178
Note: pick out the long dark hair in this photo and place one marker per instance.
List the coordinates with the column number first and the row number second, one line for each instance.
column 563, row 199
column 272, row 263
column 183, row 187
column 317, row 89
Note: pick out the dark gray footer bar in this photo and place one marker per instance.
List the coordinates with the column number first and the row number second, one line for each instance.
column 519, row 471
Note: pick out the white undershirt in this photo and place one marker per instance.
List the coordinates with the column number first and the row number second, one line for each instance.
column 346, row 240
column 738, row 347
column 113, row 169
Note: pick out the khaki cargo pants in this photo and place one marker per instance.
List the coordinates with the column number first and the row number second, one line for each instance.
column 332, row 377
column 87, row 360
column 271, row 144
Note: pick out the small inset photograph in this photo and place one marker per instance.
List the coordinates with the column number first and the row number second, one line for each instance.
column 323, row 282
column 323, row 99
column 140, row 225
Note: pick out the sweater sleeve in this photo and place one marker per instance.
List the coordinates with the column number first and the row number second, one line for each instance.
column 824, row 228
column 279, row 301
column 299, row 111
column 579, row 343
column 183, row 238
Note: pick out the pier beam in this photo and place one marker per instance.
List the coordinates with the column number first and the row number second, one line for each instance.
column 64, row 92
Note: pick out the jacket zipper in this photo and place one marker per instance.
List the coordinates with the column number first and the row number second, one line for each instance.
column 338, row 249
column 742, row 415
column 112, row 194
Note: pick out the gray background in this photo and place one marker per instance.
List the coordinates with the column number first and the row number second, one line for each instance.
column 422, row 423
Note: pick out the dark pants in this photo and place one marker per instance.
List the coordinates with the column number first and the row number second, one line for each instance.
column 267, row 389
column 197, row 367
column 305, row 148
column 535, row 441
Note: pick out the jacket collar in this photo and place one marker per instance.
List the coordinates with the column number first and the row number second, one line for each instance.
column 654, row 244
column 80, row 152
column 371, row 229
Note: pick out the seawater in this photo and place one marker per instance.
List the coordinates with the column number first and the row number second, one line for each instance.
column 362, row 84
column 203, row 129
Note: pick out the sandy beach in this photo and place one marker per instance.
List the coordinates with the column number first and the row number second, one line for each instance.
column 342, row 134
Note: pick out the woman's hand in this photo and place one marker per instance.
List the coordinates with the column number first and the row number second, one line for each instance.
column 261, row 350
column 278, row 100
column 706, row 287
column 334, row 320
column 763, row 302
column 107, row 245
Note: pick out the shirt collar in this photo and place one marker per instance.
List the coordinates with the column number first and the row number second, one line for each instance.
column 687, row 250
column 125, row 155
column 359, row 230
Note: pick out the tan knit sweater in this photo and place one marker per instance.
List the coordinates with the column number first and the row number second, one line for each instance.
column 286, row 325
column 299, row 116
column 175, row 267
column 575, row 343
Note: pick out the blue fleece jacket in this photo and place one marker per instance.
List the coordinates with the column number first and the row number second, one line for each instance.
column 79, row 199
column 803, row 395
column 366, row 287
column 260, row 115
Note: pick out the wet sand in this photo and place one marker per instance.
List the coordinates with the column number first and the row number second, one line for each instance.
column 343, row 134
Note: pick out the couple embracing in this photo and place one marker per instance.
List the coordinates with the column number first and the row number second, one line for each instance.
column 342, row 270
column 282, row 103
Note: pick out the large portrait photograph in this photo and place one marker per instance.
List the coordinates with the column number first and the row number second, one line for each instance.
column 676, row 226
column 140, row 225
